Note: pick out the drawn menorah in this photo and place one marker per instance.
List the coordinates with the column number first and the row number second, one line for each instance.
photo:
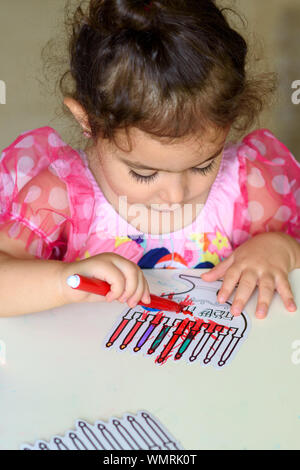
column 132, row 432
column 195, row 340
column 206, row 332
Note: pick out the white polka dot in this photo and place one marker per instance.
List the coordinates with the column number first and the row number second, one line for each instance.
column 8, row 184
column 249, row 153
column 256, row 179
column 297, row 197
column 283, row 214
column 281, row 184
column 55, row 141
column 240, row 236
column 62, row 168
column 58, row 198
column 246, row 214
column 33, row 194
column 268, row 134
column 25, row 143
column 278, row 161
column 256, row 211
column 25, row 165
column 260, row 146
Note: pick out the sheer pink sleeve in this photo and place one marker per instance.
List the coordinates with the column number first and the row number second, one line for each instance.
column 269, row 178
column 34, row 206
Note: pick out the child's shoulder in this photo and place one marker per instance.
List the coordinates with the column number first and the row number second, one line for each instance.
column 43, row 141
column 37, row 150
column 263, row 146
column 269, row 180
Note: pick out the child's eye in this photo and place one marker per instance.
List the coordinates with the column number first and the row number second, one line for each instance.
column 141, row 178
column 204, row 170
column 148, row 179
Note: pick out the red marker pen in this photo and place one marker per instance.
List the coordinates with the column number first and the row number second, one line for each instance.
column 97, row 286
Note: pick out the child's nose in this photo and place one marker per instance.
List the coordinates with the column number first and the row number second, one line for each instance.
column 174, row 191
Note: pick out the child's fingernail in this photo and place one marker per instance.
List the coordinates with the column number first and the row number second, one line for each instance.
column 222, row 299
column 292, row 305
column 261, row 312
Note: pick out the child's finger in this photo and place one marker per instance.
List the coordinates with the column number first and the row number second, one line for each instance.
column 230, row 280
column 284, row 290
column 266, row 289
column 136, row 297
column 117, row 281
column 146, row 295
column 218, row 271
column 132, row 280
column 247, row 285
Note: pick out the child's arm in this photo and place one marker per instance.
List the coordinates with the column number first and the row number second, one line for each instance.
column 29, row 285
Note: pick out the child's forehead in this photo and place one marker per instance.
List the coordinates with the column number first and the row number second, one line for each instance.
column 197, row 145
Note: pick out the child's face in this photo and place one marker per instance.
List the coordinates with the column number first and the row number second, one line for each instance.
column 157, row 173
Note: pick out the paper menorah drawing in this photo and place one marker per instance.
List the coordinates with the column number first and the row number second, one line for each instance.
column 205, row 333
column 132, row 432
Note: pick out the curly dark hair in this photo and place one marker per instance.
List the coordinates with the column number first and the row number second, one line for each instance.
column 167, row 67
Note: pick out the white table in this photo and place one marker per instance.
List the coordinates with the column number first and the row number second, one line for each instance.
column 56, row 372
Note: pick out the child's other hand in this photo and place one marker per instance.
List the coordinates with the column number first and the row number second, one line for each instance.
column 264, row 260
column 128, row 283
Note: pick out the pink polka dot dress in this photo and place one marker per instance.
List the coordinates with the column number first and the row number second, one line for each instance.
column 50, row 201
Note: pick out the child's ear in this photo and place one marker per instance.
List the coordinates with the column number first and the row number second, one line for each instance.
column 78, row 112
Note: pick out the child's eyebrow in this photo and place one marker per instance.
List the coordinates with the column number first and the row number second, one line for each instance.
column 140, row 166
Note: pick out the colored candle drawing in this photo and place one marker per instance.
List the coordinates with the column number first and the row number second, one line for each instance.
column 178, row 332
column 155, row 322
column 190, row 337
column 138, row 323
column 126, row 319
column 162, row 334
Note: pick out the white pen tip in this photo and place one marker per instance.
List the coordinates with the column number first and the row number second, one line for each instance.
column 73, row 281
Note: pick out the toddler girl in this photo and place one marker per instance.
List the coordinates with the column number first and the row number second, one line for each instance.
column 157, row 88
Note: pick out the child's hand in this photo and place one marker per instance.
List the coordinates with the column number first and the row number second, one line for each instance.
column 264, row 260
column 128, row 283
